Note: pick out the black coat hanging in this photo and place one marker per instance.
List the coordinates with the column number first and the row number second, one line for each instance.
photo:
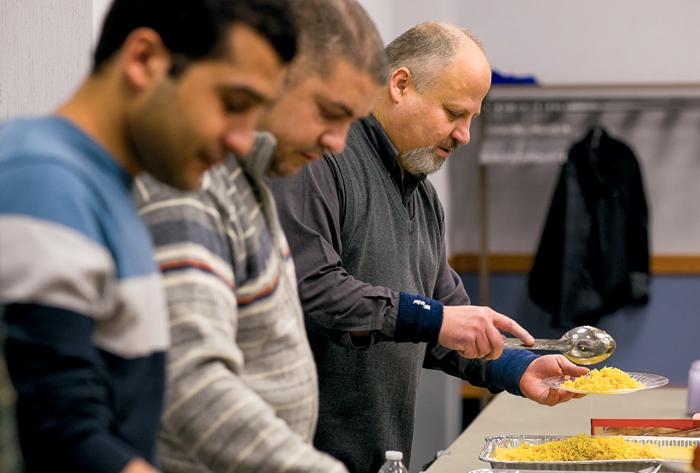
column 593, row 257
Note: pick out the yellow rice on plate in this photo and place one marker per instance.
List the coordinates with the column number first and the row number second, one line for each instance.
column 585, row 448
column 604, row 379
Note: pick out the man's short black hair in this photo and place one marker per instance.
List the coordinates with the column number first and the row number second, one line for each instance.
column 193, row 29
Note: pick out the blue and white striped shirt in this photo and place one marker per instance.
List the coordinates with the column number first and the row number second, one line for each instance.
column 86, row 315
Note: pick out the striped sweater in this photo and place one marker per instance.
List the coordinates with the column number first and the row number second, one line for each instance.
column 242, row 391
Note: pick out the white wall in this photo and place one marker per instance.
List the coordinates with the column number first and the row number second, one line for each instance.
column 44, row 53
column 667, row 145
column 565, row 41
column 99, row 10
column 596, row 42
column 593, row 41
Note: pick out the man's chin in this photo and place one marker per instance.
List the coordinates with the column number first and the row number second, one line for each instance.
column 286, row 170
column 435, row 164
column 188, row 182
column 288, row 165
column 439, row 162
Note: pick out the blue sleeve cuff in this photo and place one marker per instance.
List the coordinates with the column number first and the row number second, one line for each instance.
column 419, row 319
column 505, row 372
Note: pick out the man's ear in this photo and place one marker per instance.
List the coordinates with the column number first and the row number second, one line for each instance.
column 144, row 58
column 400, row 82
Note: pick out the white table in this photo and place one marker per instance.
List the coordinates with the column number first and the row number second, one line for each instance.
column 512, row 415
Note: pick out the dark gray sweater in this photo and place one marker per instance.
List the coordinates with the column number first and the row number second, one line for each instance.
column 370, row 256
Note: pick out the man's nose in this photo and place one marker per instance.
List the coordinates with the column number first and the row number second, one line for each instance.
column 333, row 139
column 240, row 136
column 240, row 142
column 461, row 133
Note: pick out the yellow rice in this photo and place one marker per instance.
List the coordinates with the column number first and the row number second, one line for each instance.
column 605, row 379
column 585, row 448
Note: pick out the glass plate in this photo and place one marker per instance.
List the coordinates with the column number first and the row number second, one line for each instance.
column 648, row 381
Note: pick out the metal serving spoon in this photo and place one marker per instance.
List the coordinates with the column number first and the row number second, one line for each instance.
column 584, row 345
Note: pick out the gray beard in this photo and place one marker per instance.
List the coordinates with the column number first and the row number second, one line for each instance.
column 421, row 161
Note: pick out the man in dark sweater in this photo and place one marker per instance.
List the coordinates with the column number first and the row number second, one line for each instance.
column 367, row 233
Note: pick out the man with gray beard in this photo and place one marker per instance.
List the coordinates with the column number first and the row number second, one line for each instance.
column 366, row 230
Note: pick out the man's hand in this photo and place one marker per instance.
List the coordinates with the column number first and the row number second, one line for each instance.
column 543, row 367
column 473, row 331
column 137, row 465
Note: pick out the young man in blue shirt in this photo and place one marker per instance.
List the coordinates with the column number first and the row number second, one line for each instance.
column 176, row 85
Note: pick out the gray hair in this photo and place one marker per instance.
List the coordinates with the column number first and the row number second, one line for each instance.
column 333, row 29
column 426, row 49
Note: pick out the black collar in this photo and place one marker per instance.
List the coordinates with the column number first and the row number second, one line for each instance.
column 380, row 141
column 387, row 153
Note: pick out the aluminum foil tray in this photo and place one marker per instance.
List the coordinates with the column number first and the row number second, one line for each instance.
column 653, row 469
column 512, row 441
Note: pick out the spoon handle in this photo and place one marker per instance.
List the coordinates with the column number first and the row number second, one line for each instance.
column 540, row 344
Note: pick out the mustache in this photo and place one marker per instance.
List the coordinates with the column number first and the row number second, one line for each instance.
column 449, row 144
